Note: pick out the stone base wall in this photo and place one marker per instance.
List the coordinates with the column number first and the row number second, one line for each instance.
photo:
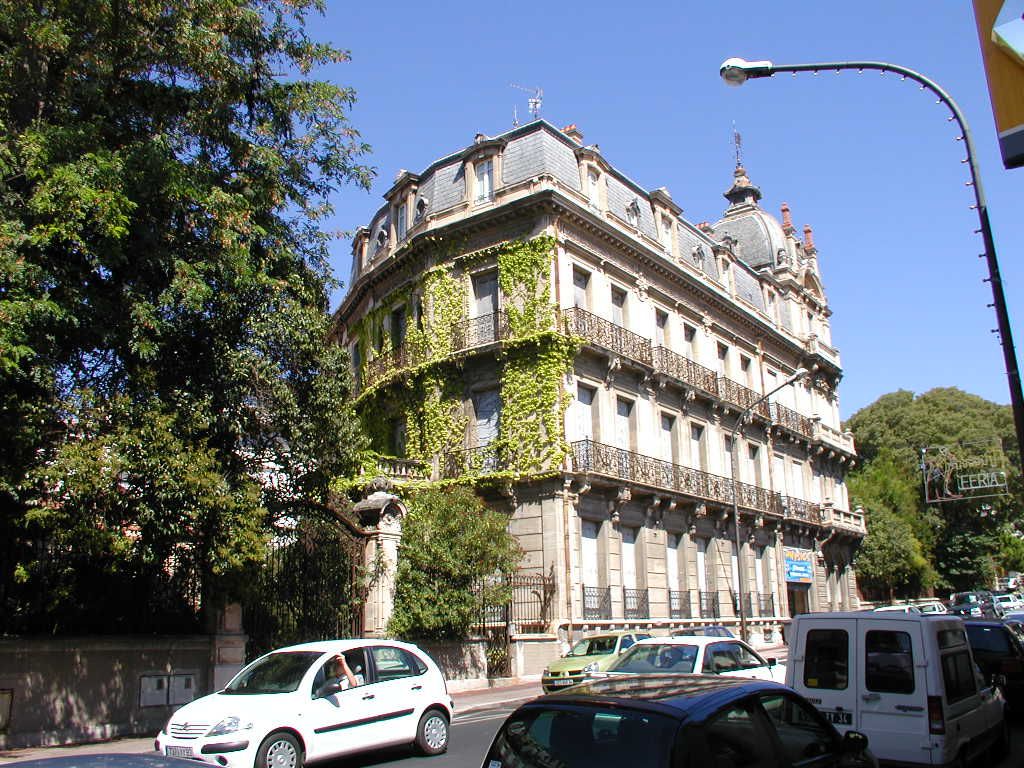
column 78, row 689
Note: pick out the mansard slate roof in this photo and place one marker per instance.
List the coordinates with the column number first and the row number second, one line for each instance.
column 758, row 236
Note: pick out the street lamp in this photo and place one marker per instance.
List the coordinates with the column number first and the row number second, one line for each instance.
column 798, row 374
column 737, row 71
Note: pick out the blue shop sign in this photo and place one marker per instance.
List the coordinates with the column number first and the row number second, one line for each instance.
column 799, row 565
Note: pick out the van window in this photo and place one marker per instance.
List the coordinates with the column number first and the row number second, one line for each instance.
column 827, row 659
column 950, row 638
column 958, row 676
column 889, row 664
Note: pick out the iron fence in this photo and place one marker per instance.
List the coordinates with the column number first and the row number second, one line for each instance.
column 472, row 461
column 685, row 370
column 744, row 397
column 799, row 509
column 679, row 604
column 635, row 604
column 526, row 602
column 479, row 331
column 791, row 420
column 604, row 333
column 597, row 603
column 709, row 607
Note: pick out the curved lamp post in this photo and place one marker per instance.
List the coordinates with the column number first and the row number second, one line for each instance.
column 736, row 71
column 798, row 374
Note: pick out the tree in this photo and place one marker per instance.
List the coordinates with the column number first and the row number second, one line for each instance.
column 960, row 537
column 165, row 374
column 451, row 544
column 891, row 560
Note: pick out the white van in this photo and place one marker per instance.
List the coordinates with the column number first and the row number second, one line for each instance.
column 907, row 681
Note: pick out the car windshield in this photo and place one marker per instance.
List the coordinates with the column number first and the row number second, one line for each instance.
column 584, row 737
column 657, row 657
column 594, row 646
column 276, row 673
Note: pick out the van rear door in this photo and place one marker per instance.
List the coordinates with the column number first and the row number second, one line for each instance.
column 892, row 693
column 822, row 670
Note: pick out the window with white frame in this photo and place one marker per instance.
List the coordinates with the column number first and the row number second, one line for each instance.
column 484, row 170
column 672, row 561
column 722, row 360
column 629, row 557
column 580, row 288
column 689, row 337
column 589, row 532
column 400, row 221
column 702, row 565
column 754, row 464
column 485, row 294
column 746, row 371
column 584, row 408
column 698, row 446
column 618, row 306
column 667, row 437
column 660, row 328
column 796, row 481
column 486, row 412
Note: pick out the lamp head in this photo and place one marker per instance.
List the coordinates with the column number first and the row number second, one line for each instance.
column 735, row 71
column 798, row 374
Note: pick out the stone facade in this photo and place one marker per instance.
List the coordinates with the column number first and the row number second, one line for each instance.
column 675, row 331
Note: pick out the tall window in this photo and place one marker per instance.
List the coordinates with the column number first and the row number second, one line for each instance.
column 754, row 464
column 672, row 561
column 487, row 411
column 666, row 232
column 484, row 180
column 633, row 213
column 667, row 437
column 698, row 447
column 629, row 557
column 746, row 370
column 593, row 188
column 702, row 565
column 660, row 327
column 580, row 287
column 585, row 412
column 796, row 482
column 400, row 221
column 689, row 335
column 623, row 423
column 485, row 294
column 727, row 455
column 759, row 564
column 618, row 306
column 723, row 359
column 397, row 327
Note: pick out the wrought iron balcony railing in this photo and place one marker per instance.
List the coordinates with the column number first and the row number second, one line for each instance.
column 480, row 331
column 791, row 420
column 685, row 370
column 473, row 461
column 709, row 607
column 387, row 362
column 798, row 509
column 732, row 392
column 759, row 605
column 597, row 603
column 635, row 604
column 679, row 604
column 401, row 469
column 608, row 335
column 590, row 456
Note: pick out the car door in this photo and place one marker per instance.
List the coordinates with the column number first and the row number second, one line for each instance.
column 342, row 722
column 398, row 694
column 803, row 736
column 892, row 689
column 737, row 735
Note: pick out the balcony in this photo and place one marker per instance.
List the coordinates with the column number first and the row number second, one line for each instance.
column 791, row 420
column 760, row 605
column 679, row 604
column 482, row 460
column 798, row 509
column 843, row 441
column 685, row 370
column 737, row 394
column 635, row 604
column 817, row 348
column 480, row 331
column 607, row 335
column 589, row 456
column 853, row 521
column 597, row 603
column 709, row 605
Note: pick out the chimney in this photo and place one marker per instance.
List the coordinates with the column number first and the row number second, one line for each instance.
column 479, row 137
column 787, row 220
column 574, row 133
column 808, row 239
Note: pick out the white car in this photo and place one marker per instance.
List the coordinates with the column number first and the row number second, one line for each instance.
column 691, row 654
column 283, row 709
column 1006, row 603
column 897, row 609
column 932, row 607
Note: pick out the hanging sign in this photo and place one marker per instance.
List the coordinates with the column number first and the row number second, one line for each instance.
column 799, row 565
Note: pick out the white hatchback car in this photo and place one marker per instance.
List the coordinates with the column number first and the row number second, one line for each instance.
column 284, row 709
column 689, row 654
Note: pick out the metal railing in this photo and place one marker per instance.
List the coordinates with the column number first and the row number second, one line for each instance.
column 480, row 331
column 528, row 603
column 798, row 509
column 635, row 604
column 606, row 334
column 472, row 461
column 735, row 393
column 791, row 420
column 709, row 606
column 597, row 603
column 679, row 604
column 685, row 370
column 590, row 456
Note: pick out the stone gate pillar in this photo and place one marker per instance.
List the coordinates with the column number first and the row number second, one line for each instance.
column 380, row 515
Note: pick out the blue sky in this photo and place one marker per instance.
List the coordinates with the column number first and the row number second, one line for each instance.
column 868, row 161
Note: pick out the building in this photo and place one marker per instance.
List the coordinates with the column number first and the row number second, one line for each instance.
column 524, row 315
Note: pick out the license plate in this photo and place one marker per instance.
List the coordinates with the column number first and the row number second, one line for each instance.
column 556, row 683
column 173, row 751
column 839, row 718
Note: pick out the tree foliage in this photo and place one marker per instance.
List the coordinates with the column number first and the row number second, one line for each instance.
column 452, row 543
column 164, row 373
column 963, row 542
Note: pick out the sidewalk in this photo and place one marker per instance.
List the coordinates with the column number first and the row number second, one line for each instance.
column 510, row 692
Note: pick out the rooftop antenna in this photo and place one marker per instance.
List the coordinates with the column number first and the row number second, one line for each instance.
column 534, row 101
column 737, row 141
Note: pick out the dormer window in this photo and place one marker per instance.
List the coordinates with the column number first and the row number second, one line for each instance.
column 593, row 187
column 421, row 208
column 698, row 256
column 666, row 232
column 633, row 213
column 400, row 221
column 382, row 238
column 484, row 180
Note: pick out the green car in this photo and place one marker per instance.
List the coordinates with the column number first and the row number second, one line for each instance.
column 594, row 653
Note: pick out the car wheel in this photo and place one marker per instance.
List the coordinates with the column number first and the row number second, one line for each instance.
column 279, row 750
column 431, row 733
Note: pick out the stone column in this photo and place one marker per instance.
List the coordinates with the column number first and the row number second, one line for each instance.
column 227, row 646
column 380, row 515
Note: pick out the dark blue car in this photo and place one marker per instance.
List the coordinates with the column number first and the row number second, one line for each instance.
column 674, row 721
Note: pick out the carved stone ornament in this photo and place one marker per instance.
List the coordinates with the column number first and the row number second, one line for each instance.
column 641, row 288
